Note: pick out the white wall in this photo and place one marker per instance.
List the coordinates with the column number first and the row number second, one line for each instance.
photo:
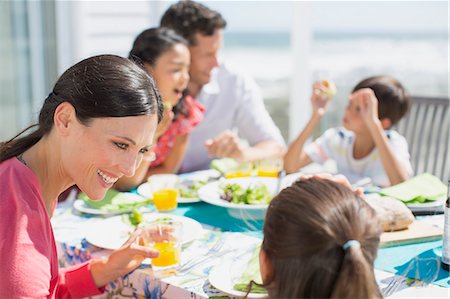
column 87, row 28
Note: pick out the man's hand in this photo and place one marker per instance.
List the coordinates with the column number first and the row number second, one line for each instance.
column 225, row 145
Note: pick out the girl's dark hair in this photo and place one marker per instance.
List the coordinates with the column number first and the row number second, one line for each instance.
column 393, row 99
column 305, row 228
column 149, row 45
column 100, row 86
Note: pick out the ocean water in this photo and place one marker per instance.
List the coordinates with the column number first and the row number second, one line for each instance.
column 419, row 61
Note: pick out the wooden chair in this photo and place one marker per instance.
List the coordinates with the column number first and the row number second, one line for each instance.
column 426, row 127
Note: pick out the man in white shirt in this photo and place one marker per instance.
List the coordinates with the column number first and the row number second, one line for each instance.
column 233, row 102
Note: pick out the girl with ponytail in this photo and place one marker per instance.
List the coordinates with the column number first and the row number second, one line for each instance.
column 320, row 241
column 93, row 128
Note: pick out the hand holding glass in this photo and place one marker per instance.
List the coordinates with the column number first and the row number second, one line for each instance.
column 165, row 236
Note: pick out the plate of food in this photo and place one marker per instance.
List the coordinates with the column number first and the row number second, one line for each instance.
column 189, row 184
column 243, row 197
column 111, row 233
column 233, row 276
column 113, row 203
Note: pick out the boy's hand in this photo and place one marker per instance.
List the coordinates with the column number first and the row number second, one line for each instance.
column 320, row 99
column 367, row 103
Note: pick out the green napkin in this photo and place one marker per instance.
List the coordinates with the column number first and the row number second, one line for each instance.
column 424, row 187
column 250, row 273
column 115, row 201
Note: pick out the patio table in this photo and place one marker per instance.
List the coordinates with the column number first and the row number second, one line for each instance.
column 409, row 271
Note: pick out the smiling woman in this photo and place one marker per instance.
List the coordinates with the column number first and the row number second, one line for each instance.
column 94, row 127
column 166, row 57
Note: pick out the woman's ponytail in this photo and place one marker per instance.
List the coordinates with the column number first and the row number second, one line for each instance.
column 17, row 145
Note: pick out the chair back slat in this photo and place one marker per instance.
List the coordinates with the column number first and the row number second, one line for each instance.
column 427, row 129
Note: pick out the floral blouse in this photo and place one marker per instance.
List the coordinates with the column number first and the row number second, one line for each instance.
column 182, row 125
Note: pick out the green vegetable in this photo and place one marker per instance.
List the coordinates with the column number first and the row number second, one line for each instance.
column 250, row 273
column 253, row 195
column 190, row 188
column 115, row 201
column 135, row 218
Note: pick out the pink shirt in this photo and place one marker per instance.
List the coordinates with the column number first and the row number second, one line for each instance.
column 28, row 258
column 181, row 126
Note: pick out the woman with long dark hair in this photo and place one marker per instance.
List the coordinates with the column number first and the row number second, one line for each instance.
column 94, row 127
column 165, row 56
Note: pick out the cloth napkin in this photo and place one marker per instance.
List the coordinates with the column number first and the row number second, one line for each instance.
column 250, row 273
column 421, row 188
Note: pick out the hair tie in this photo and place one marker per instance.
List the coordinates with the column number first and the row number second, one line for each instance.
column 351, row 243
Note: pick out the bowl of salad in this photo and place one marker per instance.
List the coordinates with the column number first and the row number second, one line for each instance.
column 244, row 198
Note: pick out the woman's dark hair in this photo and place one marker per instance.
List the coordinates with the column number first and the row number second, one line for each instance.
column 188, row 18
column 149, row 45
column 393, row 99
column 304, row 231
column 100, row 86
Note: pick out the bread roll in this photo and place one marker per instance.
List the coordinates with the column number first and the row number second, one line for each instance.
column 393, row 213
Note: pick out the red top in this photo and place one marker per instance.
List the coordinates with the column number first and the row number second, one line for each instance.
column 182, row 125
column 28, row 258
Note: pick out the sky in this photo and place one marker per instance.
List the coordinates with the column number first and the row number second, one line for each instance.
column 354, row 16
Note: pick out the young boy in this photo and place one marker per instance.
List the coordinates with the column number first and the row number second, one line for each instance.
column 364, row 146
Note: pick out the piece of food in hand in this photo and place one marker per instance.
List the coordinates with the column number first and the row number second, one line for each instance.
column 330, row 88
column 393, row 214
column 135, row 218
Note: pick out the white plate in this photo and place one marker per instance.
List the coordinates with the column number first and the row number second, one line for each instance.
column 111, row 233
column 431, row 206
column 81, row 206
column 146, row 191
column 224, row 276
column 210, row 193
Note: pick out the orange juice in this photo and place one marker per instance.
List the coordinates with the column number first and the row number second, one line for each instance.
column 165, row 200
column 169, row 254
column 268, row 172
column 238, row 174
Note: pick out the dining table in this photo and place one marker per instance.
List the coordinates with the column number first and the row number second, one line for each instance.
column 403, row 271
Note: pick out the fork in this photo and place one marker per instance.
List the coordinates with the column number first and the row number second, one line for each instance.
column 213, row 251
column 392, row 286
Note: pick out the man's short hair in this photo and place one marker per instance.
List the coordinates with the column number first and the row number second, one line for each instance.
column 393, row 99
column 188, row 18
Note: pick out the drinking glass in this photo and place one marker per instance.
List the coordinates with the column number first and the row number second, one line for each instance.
column 165, row 191
column 240, row 171
column 164, row 235
column 269, row 168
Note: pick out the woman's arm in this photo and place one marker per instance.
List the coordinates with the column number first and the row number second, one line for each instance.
column 174, row 157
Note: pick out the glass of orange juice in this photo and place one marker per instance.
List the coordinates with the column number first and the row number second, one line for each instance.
column 240, row 171
column 165, row 191
column 165, row 236
column 269, row 168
